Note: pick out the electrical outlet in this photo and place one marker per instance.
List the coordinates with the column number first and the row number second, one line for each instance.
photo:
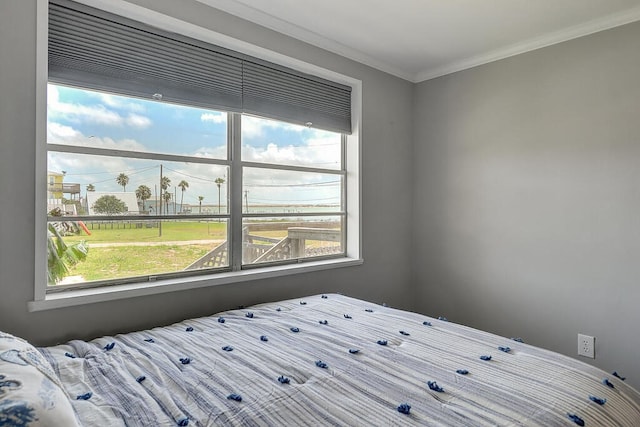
column 586, row 346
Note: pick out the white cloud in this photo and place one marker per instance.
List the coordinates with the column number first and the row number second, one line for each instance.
column 271, row 154
column 138, row 121
column 62, row 134
column 281, row 187
column 122, row 144
column 214, row 117
column 94, row 114
column 115, row 101
column 89, row 169
column 320, row 152
column 90, row 113
column 217, row 152
column 58, row 132
column 52, row 95
column 253, row 127
column 315, row 149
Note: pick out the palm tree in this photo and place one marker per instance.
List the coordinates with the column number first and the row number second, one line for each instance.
column 61, row 256
column 143, row 193
column 183, row 186
column 200, row 199
column 91, row 187
column 165, row 182
column 123, row 180
column 167, row 199
column 219, row 182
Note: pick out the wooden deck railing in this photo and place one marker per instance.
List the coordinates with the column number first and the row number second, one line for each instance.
column 258, row 249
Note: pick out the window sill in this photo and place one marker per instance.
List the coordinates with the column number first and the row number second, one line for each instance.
column 110, row 293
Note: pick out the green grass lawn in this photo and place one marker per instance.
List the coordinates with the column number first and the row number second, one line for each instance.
column 128, row 261
column 140, row 259
column 171, row 231
column 141, row 252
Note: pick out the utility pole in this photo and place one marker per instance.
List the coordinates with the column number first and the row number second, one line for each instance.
column 246, row 201
column 160, row 210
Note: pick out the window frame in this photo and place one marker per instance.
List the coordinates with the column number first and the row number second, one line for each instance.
column 235, row 273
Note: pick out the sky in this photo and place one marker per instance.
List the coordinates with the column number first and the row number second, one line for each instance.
column 86, row 118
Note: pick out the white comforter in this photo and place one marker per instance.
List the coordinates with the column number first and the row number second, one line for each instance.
column 348, row 362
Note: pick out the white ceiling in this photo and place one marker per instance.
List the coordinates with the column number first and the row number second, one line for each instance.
column 422, row 39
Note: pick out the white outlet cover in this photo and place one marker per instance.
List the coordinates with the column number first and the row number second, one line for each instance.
column 586, row 346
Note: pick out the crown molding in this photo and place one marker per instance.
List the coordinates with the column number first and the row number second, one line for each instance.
column 574, row 32
column 274, row 23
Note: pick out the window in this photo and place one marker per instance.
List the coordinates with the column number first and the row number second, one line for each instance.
column 154, row 185
column 154, row 178
column 293, row 190
column 155, row 189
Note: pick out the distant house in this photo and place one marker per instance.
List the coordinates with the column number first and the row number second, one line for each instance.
column 128, row 198
column 54, row 185
column 56, row 188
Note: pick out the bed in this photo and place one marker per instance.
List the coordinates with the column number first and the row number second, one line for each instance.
column 321, row 360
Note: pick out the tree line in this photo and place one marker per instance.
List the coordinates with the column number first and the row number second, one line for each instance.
column 112, row 205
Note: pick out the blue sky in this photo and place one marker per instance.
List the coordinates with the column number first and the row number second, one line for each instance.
column 79, row 117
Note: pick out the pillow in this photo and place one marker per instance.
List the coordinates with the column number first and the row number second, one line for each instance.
column 30, row 392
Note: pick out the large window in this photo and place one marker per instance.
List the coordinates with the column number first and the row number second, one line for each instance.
column 205, row 179
column 146, row 189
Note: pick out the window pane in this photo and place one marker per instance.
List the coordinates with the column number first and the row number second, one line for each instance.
column 270, row 141
column 277, row 239
column 85, row 184
column 133, row 248
column 88, row 118
column 281, row 191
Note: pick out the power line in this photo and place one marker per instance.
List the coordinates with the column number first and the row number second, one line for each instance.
column 107, row 172
column 311, row 184
column 337, row 198
column 191, row 176
column 330, row 144
column 127, row 171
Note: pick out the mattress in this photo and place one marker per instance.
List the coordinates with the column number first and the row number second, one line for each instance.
column 332, row 360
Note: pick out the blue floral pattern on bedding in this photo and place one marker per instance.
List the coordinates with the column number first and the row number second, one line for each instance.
column 30, row 391
column 16, row 413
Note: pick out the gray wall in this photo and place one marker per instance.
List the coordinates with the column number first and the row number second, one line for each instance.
column 387, row 149
column 527, row 197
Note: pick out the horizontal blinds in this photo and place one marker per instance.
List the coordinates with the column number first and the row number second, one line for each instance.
column 283, row 94
column 91, row 48
column 95, row 49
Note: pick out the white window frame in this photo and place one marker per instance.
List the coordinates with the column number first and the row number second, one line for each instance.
column 353, row 185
